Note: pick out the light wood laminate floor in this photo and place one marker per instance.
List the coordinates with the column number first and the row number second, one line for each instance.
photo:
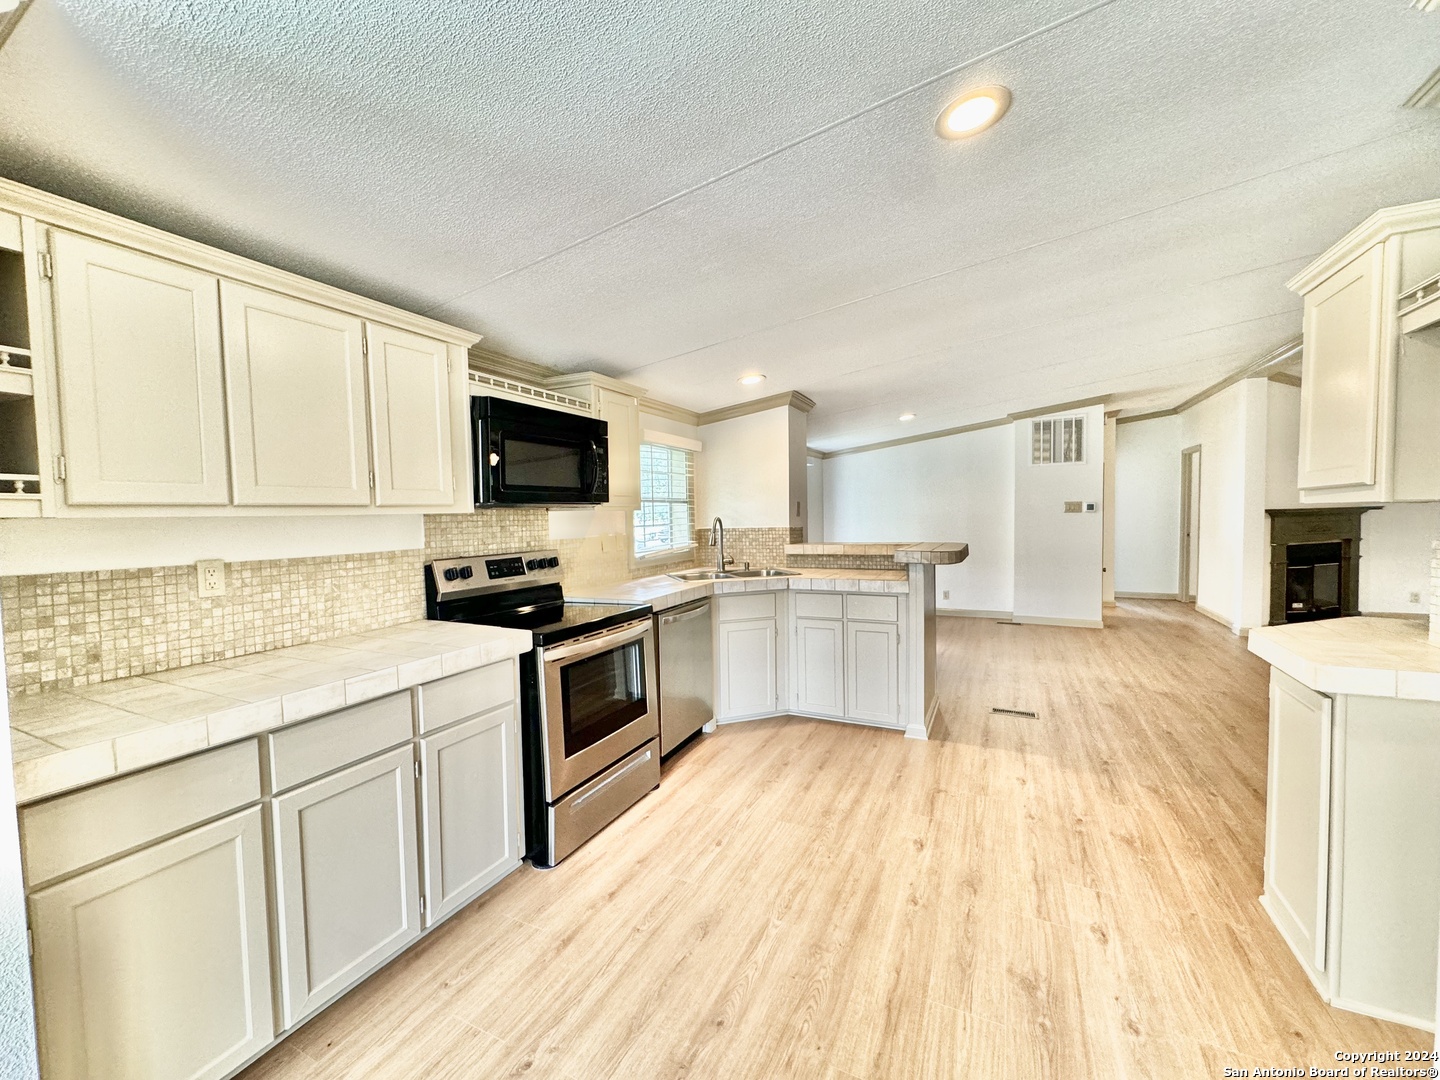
column 1071, row 896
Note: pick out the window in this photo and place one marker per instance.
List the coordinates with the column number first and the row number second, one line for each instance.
column 665, row 521
column 1059, row 441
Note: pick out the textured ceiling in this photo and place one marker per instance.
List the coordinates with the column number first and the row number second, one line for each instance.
column 681, row 193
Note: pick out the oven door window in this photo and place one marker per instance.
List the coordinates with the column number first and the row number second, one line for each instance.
column 529, row 463
column 601, row 694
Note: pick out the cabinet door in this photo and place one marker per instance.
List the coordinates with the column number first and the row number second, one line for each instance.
column 347, row 878
column 157, row 966
column 409, row 380
column 142, row 400
column 872, row 672
column 622, row 413
column 820, row 666
column 1297, row 816
column 1340, row 388
column 471, row 804
column 746, row 667
column 295, row 375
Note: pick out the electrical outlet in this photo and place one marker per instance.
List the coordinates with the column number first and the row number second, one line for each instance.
column 210, row 577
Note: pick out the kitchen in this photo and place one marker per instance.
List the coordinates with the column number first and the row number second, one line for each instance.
column 582, row 697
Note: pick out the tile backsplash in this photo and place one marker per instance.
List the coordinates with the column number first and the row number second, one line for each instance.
column 78, row 628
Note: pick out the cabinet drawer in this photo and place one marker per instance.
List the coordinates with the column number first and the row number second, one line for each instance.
column 323, row 745
column 90, row 826
column 872, row 607
column 811, row 605
column 736, row 606
column 468, row 694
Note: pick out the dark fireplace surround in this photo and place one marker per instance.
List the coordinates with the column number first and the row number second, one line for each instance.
column 1315, row 563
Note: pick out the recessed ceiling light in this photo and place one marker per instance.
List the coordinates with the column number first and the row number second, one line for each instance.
column 905, row 418
column 972, row 112
column 751, row 380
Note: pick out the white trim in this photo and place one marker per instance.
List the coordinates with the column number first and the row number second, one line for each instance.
column 974, row 613
column 664, row 438
column 1045, row 620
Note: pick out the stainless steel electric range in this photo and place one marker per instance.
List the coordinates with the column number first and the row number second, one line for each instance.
column 590, row 706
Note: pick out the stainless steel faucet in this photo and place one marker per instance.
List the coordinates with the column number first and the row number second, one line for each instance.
column 717, row 541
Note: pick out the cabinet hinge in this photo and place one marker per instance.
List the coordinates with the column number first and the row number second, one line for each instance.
column 47, row 265
column 59, row 466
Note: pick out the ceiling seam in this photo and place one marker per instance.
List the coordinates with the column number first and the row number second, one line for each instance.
column 1026, row 248
column 769, row 154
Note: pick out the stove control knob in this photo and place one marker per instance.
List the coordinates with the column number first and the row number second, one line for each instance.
column 452, row 574
column 467, row 571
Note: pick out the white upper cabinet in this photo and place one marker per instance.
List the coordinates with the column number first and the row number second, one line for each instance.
column 1368, row 393
column 621, row 412
column 295, row 373
column 409, row 382
column 142, row 401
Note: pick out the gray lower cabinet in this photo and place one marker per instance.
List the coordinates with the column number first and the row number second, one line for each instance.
column 470, row 809
column 346, row 877
column 157, row 966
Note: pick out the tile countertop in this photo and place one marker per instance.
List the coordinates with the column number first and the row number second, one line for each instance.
column 938, row 554
column 1368, row 657
column 663, row 591
column 64, row 739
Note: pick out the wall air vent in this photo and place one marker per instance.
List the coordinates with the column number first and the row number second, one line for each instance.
column 494, row 382
column 1058, row 440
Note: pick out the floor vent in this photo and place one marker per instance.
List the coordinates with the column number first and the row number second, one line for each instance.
column 1016, row 712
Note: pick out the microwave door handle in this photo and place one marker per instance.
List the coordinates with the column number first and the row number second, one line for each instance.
column 594, row 460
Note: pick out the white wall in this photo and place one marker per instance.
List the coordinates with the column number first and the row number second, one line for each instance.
column 1230, row 429
column 814, row 499
column 1147, row 506
column 62, row 545
column 1058, row 556
column 959, row 488
column 1395, row 554
column 743, row 474
column 17, row 1011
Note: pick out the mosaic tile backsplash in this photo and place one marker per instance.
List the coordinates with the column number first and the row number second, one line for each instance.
column 73, row 629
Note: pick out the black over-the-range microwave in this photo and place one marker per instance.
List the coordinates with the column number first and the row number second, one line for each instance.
column 529, row 456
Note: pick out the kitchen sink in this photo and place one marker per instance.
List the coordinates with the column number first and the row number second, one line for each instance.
column 768, row 572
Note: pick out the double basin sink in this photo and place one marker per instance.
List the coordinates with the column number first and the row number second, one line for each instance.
column 717, row 575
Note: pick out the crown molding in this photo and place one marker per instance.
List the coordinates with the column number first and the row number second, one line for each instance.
column 1067, row 406
column 1378, row 227
column 922, row 437
column 1428, row 95
column 792, row 399
column 51, row 210
column 654, row 407
column 509, row 367
column 11, row 19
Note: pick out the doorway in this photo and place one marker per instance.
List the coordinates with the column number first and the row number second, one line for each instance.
column 1189, row 525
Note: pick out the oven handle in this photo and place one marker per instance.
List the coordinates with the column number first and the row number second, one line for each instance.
column 603, row 642
column 583, row 799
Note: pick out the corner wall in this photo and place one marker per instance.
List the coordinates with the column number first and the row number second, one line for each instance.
column 1059, row 555
column 960, row 487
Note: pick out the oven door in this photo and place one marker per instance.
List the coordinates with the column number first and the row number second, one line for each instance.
column 598, row 702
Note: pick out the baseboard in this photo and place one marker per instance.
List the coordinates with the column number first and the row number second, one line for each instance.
column 1043, row 620
column 973, row 613
column 1146, row 596
column 916, row 731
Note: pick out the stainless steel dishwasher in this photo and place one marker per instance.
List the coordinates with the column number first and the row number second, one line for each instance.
column 687, row 672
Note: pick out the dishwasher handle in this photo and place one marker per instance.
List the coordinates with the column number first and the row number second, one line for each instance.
column 689, row 611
